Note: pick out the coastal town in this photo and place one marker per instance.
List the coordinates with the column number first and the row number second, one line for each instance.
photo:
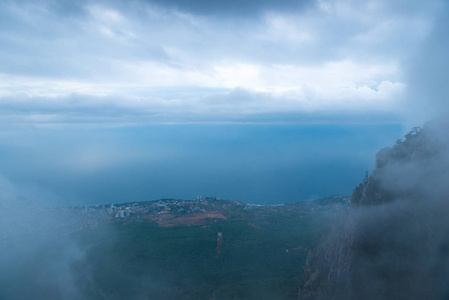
column 197, row 212
column 163, row 213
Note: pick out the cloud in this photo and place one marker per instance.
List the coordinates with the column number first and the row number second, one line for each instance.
column 392, row 243
column 233, row 8
column 171, row 58
column 427, row 72
column 190, row 105
column 34, row 248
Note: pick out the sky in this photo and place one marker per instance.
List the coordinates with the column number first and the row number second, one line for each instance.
column 108, row 100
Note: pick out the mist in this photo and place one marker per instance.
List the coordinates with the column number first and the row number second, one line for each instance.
column 257, row 102
column 401, row 245
column 49, row 172
column 36, row 254
column 392, row 243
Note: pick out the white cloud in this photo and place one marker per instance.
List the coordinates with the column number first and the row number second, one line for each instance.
column 340, row 55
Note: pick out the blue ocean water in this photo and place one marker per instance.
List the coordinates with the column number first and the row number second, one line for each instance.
column 261, row 164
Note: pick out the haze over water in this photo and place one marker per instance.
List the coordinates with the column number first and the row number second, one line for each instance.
column 114, row 101
column 261, row 164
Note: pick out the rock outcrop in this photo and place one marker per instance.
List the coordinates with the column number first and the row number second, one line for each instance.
column 394, row 241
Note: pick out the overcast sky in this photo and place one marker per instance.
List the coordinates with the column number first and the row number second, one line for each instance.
column 216, row 61
column 97, row 97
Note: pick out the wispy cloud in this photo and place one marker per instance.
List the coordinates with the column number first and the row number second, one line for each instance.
column 175, row 58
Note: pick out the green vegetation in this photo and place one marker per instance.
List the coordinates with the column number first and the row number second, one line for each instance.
column 260, row 258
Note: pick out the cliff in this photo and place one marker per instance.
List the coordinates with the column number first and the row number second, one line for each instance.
column 394, row 241
column 395, row 167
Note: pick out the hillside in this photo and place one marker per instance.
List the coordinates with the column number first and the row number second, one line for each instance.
column 392, row 243
column 173, row 249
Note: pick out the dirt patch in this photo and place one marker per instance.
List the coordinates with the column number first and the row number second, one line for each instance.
column 195, row 219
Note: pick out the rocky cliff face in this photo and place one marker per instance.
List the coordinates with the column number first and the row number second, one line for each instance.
column 396, row 169
column 394, row 241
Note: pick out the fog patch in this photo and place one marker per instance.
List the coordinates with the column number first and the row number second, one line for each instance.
column 393, row 242
column 36, row 251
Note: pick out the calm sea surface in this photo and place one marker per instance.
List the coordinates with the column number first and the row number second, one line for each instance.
column 262, row 164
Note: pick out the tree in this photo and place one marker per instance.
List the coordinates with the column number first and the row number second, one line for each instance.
column 366, row 176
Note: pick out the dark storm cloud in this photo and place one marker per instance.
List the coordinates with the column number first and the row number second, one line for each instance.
column 234, row 8
column 216, row 8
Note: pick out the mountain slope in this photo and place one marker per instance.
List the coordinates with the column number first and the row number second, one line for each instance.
column 394, row 241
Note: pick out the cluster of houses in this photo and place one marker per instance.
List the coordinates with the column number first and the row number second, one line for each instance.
column 148, row 210
column 77, row 218
column 137, row 210
column 153, row 210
